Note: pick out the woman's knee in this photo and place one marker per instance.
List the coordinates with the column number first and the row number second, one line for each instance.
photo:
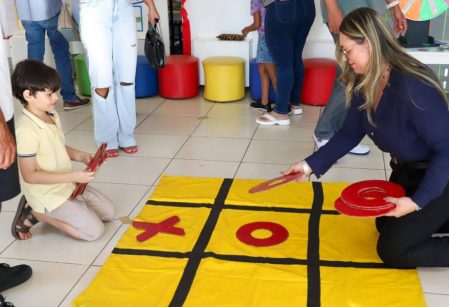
column 392, row 252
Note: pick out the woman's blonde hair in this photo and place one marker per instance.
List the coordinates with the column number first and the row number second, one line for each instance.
column 366, row 24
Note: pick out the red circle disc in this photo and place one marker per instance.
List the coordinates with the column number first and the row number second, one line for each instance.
column 278, row 234
column 343, row 208
column 369, row 194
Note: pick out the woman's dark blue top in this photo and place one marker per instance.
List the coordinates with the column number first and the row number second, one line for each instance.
column 411, row 122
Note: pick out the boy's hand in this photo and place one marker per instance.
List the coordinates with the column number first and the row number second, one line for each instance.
column 83, row 176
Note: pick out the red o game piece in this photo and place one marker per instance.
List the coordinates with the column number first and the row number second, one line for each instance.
column 278, row 234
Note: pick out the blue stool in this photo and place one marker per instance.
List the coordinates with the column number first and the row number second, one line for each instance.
column 146, row 78
column 254, row 76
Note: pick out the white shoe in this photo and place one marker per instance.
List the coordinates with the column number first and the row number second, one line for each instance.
column 360, row 150
column 270, row 120
column 296, row 111
column 319, row 143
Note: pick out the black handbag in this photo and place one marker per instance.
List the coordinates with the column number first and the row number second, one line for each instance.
column 154, row 46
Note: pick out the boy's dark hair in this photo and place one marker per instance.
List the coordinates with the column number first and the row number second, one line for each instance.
column 34, row 76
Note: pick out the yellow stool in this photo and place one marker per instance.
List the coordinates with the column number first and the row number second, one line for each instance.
column 224, row 78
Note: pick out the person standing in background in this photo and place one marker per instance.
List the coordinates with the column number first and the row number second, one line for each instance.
column 287, row 24
column 39, row 17
column 333, row 116
column 9, row 175
column 111, row 51
column 267, row 69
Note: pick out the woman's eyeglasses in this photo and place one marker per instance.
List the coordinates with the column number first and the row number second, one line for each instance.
column 345, row 52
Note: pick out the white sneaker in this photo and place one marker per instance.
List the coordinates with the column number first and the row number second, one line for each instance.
column 360, row 150
column 296, row 111
column 319, row 143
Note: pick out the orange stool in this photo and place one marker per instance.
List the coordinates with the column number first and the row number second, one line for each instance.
column 179, row 78
column 319, row 77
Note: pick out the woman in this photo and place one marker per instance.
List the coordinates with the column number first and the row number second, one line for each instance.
column 399, row 103
column 108, row 33
column 287, row 24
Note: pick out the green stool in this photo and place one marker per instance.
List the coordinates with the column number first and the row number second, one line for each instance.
column 82, row 76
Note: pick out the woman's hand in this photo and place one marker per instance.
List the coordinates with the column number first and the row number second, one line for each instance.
column 334, row 19
column 153, row 16
column 404, row 206
column 297, row 167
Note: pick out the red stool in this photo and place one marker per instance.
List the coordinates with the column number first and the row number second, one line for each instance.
column 319, row 77
column 179, row 78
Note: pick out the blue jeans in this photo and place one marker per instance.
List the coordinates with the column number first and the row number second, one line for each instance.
column 334, row 113
column 111, row 51
column 35, row 36
column 287, row 24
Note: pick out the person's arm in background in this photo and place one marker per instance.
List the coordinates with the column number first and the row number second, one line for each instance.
column 153, row 15
column 334, row 15
column 399, row 20
column 7, row 144
column 254, row 26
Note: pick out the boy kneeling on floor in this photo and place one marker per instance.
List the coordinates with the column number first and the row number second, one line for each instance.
column 48, row 179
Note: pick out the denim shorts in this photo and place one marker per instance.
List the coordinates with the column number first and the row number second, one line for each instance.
column 263, row 54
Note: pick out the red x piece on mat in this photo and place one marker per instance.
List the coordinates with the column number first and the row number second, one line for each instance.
column 151, row 229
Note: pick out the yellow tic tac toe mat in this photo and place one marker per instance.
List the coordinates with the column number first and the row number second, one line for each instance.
column 208, row 242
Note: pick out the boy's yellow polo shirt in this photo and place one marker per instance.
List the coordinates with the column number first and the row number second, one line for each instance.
column 46, row 142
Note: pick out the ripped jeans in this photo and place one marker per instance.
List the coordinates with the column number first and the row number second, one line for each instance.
column 108, row 33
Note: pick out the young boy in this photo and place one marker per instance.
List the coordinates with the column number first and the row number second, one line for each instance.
column 48, row 179
column 267, row 69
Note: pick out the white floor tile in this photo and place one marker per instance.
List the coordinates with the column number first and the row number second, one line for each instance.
column 82, row 284
column 168, row 125
column 48, row 285
column 286, row 133
column 131, row 170
column 50, row 244
column 183, row 108
column 373, row 160
column 6, row 237
column 434, row 280
column 201, row 168
column 260, row 170
column 436, row 300
column 277, row 152
column 148, row 105
column 233, row 110
column 88, row 125
column 216, row 149
column 70, row 121
column 162, row 146
column 227, row 128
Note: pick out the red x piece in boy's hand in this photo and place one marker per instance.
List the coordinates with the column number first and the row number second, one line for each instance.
column 151, row 229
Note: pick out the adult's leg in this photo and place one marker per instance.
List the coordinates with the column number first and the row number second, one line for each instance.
column 302, row 30
column 98, row 47
column 124, row 37
column 280, row 25
column 9, row 178
column 35, row 36
column 335, row 111
column 60, row 48
column 407, row 241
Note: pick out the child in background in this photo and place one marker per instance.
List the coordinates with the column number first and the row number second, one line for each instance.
column 48, row 179
column 267, row 69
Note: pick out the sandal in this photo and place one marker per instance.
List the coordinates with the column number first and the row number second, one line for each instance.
column 111, row 153
column 130, row 149
column 23, row 214
column 269, row 120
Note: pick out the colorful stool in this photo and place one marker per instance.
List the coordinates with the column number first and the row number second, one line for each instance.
column 254, row 81
column 179, row 78
column 224, row 78
column 146, row 78
column 319, row 77
column 82, row 75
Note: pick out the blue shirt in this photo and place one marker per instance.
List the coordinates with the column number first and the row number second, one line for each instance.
column 37, row 10
column 411, row 123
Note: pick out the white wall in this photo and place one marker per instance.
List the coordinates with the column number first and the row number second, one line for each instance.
column 209, row 18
